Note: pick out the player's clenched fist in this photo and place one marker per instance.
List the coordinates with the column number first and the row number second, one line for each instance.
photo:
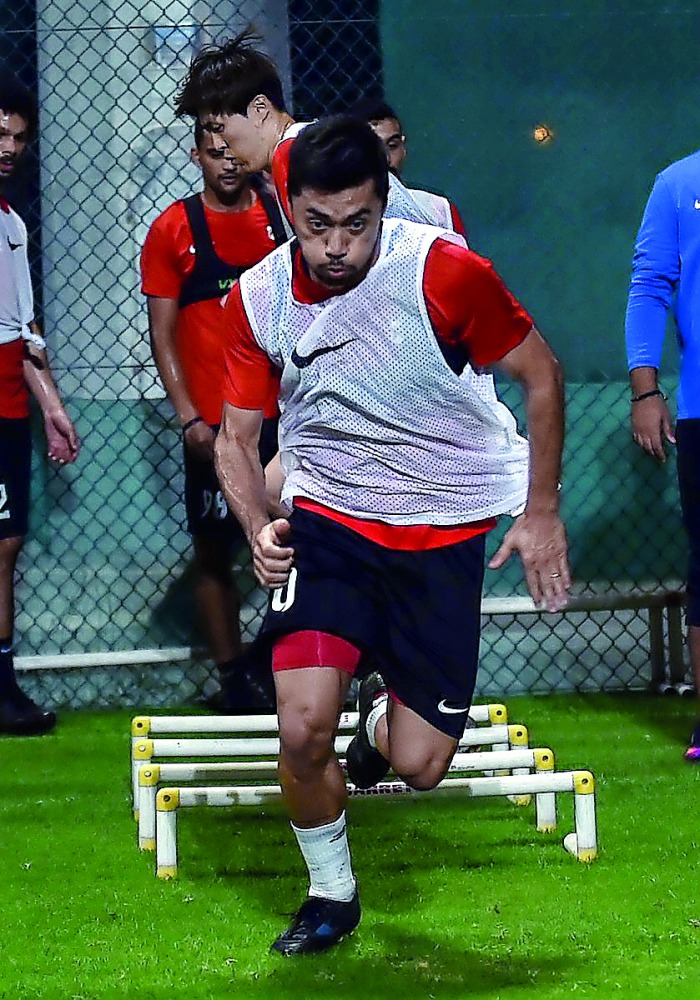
column 272, row 556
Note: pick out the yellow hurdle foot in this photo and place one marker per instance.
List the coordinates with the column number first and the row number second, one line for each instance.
column 571, row 845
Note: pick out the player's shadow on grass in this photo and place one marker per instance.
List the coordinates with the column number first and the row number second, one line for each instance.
column 406, row 840
column 388, row 961
column 415, row 863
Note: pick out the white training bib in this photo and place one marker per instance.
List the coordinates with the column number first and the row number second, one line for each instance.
column 373, row 421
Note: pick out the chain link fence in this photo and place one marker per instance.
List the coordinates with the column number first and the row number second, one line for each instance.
column 106, row 569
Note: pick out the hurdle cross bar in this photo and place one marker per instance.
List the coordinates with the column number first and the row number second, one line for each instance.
column 143, row 726
column 517, row 761
column 583, row 844
column 143, row 751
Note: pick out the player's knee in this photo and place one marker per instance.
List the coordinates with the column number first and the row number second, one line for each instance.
column 425, row 780
column 306, row 742
column 9, row 550
column 422, row 774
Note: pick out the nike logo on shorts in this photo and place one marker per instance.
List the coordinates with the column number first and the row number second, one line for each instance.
column 304, row 362
column 449, row 710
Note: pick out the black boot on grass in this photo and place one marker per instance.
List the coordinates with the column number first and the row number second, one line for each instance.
column 19, row 715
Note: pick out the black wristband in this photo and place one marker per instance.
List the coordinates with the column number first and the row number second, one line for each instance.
column 647, row 395
column 191, row 423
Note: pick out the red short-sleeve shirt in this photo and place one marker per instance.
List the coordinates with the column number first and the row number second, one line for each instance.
column 239, row 238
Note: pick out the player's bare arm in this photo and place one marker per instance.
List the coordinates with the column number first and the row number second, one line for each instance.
column 243, row 482
column 274, row 481
column 538, row 533
column 62, row 441
column 652, row 425
column 162, row 323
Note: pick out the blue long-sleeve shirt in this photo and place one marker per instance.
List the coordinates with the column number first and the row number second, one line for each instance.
column 665, row 273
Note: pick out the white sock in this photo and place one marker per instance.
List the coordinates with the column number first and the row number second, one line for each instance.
column 327, row 855
column 377, row 712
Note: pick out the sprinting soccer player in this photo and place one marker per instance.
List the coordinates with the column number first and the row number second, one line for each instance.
column 193, row 253
column 236, row 93
column 665, row 271
column 386, row 124
column 24, row 368
column 395, row 471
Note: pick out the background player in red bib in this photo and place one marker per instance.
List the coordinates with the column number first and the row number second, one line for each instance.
column 193, row 254
column 24, row 368
column 395, row 466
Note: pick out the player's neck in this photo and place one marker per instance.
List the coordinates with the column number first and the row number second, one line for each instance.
column 241, row 203
column 283, row 122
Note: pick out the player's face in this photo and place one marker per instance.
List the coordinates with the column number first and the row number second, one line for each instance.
column 13, row 140
column 241, row 135
column 338, row 233
column 223, row 174
column 389, row 131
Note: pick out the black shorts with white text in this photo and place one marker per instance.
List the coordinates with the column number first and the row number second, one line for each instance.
column 15, row 472
column 414, row 615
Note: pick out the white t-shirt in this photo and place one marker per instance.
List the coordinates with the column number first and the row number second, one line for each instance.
column 16, row 298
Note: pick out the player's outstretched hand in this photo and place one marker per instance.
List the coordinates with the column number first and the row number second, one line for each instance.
column 652, row 426
column 62, row 440
column 272, row 557
column 540, row 540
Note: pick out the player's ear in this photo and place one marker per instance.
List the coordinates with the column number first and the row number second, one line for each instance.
column 259, row 108
column 194, row 157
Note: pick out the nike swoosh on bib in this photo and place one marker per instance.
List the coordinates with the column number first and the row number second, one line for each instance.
column 449, row 710
column 11, row 245
column 304, row 362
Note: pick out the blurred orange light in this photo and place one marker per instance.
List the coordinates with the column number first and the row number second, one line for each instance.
column 542, row 133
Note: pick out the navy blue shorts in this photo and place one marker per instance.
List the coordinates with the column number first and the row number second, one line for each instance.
column 15, row 472
column 207, row 512
column 688, row 454
column 416, row 615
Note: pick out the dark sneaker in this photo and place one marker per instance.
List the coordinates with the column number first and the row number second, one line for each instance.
column 248, row 687
column 318, row 925
column 693, row 751
column 20, row 716
column 366, row 765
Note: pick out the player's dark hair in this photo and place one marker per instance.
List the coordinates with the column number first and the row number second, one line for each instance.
column 198, row 133
column 374, row 110
column 224, row 79
column 16, row 99
column 335, row 154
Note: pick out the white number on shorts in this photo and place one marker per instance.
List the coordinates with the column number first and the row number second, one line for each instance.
column 220, row 508
column 283, row 597
column 215, row 500
column 4, row 514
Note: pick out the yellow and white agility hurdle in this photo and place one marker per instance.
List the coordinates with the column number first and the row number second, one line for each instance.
column 168, row 750
column 151, row 776
column 582, row 843
column 144, row 747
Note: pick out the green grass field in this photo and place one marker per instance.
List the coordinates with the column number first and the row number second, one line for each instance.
column 461, row 898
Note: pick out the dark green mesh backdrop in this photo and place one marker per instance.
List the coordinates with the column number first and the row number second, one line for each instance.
column 107, row 566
